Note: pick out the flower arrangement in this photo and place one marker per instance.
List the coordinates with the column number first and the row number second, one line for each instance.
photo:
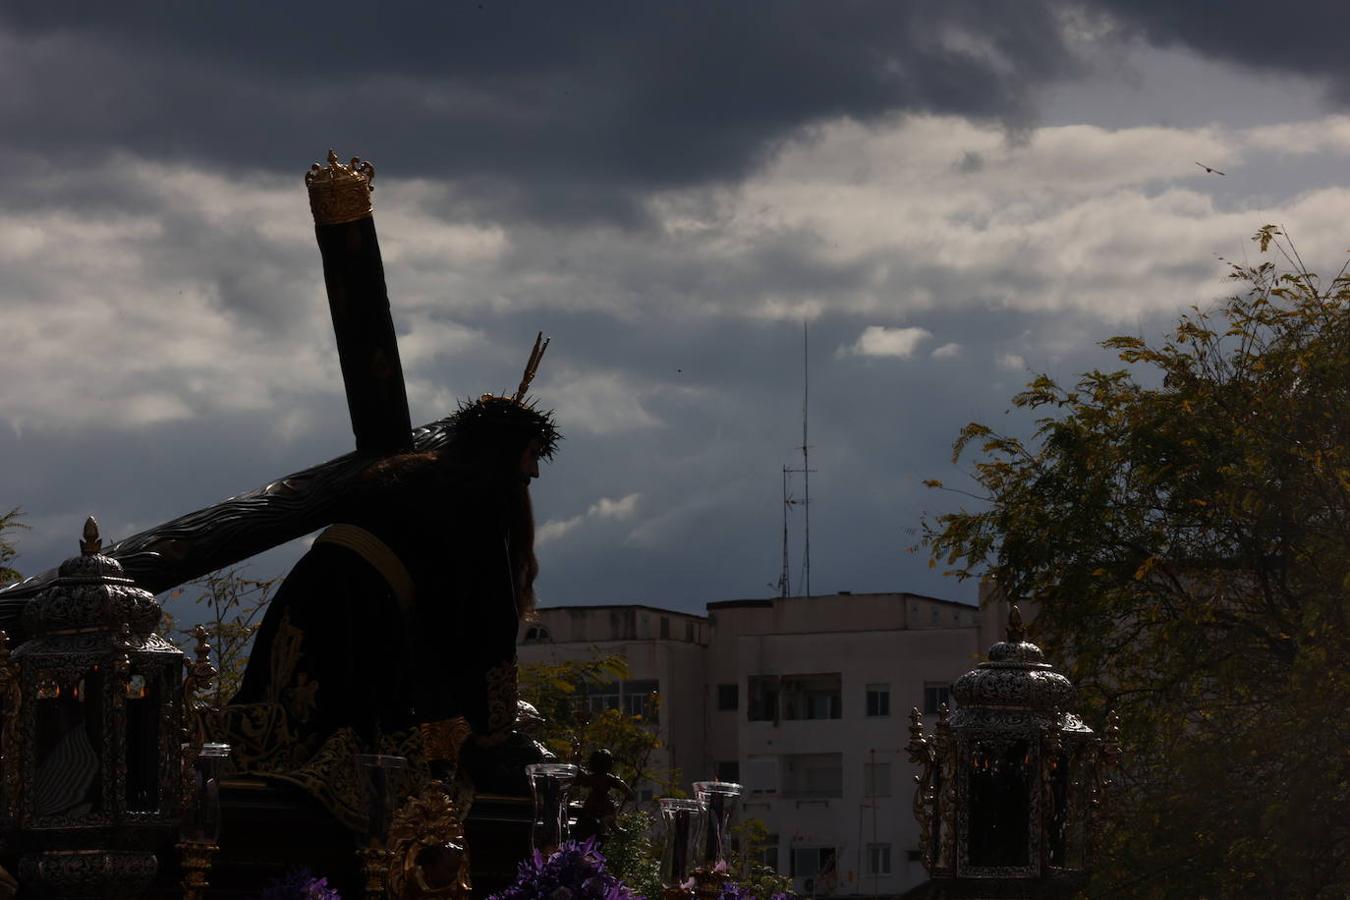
column 578, row 871
column 575, row 871
column 300, row 884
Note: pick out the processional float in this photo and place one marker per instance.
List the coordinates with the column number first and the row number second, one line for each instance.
column 85, row 647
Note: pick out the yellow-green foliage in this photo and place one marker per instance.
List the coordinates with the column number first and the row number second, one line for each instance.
column 572, row 731
column 1186, row 524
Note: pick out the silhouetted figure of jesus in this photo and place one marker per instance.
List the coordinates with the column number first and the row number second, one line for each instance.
column 396, row 632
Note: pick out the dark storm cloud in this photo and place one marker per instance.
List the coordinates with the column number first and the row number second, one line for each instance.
column 1306, row 38
column 565, row 109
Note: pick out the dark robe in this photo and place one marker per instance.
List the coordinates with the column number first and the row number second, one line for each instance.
column 343, row 664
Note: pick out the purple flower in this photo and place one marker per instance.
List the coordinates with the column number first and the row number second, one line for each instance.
column 733, row 891
column 575, row 871
column 300, row 884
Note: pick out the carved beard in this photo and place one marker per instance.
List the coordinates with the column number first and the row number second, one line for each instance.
column 524, row 565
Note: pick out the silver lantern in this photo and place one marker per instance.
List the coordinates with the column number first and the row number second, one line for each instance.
column 1010, row 784
column 97, row 770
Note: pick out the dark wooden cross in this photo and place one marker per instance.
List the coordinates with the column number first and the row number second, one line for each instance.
column 208, row 539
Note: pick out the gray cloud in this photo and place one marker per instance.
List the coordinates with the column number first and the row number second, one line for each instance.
column 558, row 110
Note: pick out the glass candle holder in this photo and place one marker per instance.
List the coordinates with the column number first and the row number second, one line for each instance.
column 550, row 783
column 201, row 824
column 682, row 818
column 719, row 801
column 384, row 777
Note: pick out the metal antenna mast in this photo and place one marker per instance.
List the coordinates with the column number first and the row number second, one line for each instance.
column 789, row 501
column 784, row 581
column 806, row 466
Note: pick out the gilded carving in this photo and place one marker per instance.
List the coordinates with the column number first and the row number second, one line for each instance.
column 194, row 859
column 945, row 805
column 427, row 854
column 442, row 740
column 201, row 676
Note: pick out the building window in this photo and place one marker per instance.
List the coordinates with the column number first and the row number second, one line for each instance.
column 878, row 859
column 811, row 696
column 600, row 697
column 812, row 862
column 728, row 697
column 762, row 698
column 878, row 700
column 665, row 628
column 768, row 852
column 537, row 634
column 689, row 631
column 637, row 698
column 936, row 693
column 877, row 779
column 761, row 774
column 729, row 770
column 812, row 776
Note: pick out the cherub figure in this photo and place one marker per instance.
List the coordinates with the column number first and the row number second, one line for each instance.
column 598, row 810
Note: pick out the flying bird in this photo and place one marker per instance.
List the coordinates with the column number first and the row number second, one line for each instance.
column 1210, row 169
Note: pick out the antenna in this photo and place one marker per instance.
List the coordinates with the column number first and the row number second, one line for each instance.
column 806, row 467
column 789, row 501
column 784, row 584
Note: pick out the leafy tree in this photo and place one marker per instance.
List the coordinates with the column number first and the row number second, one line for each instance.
column 9, row 522
column 1185, row 526
column 233, row 611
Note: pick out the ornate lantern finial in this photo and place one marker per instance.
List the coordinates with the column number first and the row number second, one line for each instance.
column 91, row 544
column 1016, row 633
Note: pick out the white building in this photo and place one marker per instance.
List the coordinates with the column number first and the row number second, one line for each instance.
column 804, row 701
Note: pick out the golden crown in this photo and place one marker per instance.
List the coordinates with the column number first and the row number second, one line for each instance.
column 340, row 193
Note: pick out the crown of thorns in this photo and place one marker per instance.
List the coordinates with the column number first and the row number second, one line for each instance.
column 492, row 413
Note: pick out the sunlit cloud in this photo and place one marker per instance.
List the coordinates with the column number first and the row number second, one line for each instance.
column 603, row 509
column 878, row 340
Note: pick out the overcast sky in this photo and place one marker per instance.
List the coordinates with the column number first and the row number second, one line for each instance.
column 954, row 196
